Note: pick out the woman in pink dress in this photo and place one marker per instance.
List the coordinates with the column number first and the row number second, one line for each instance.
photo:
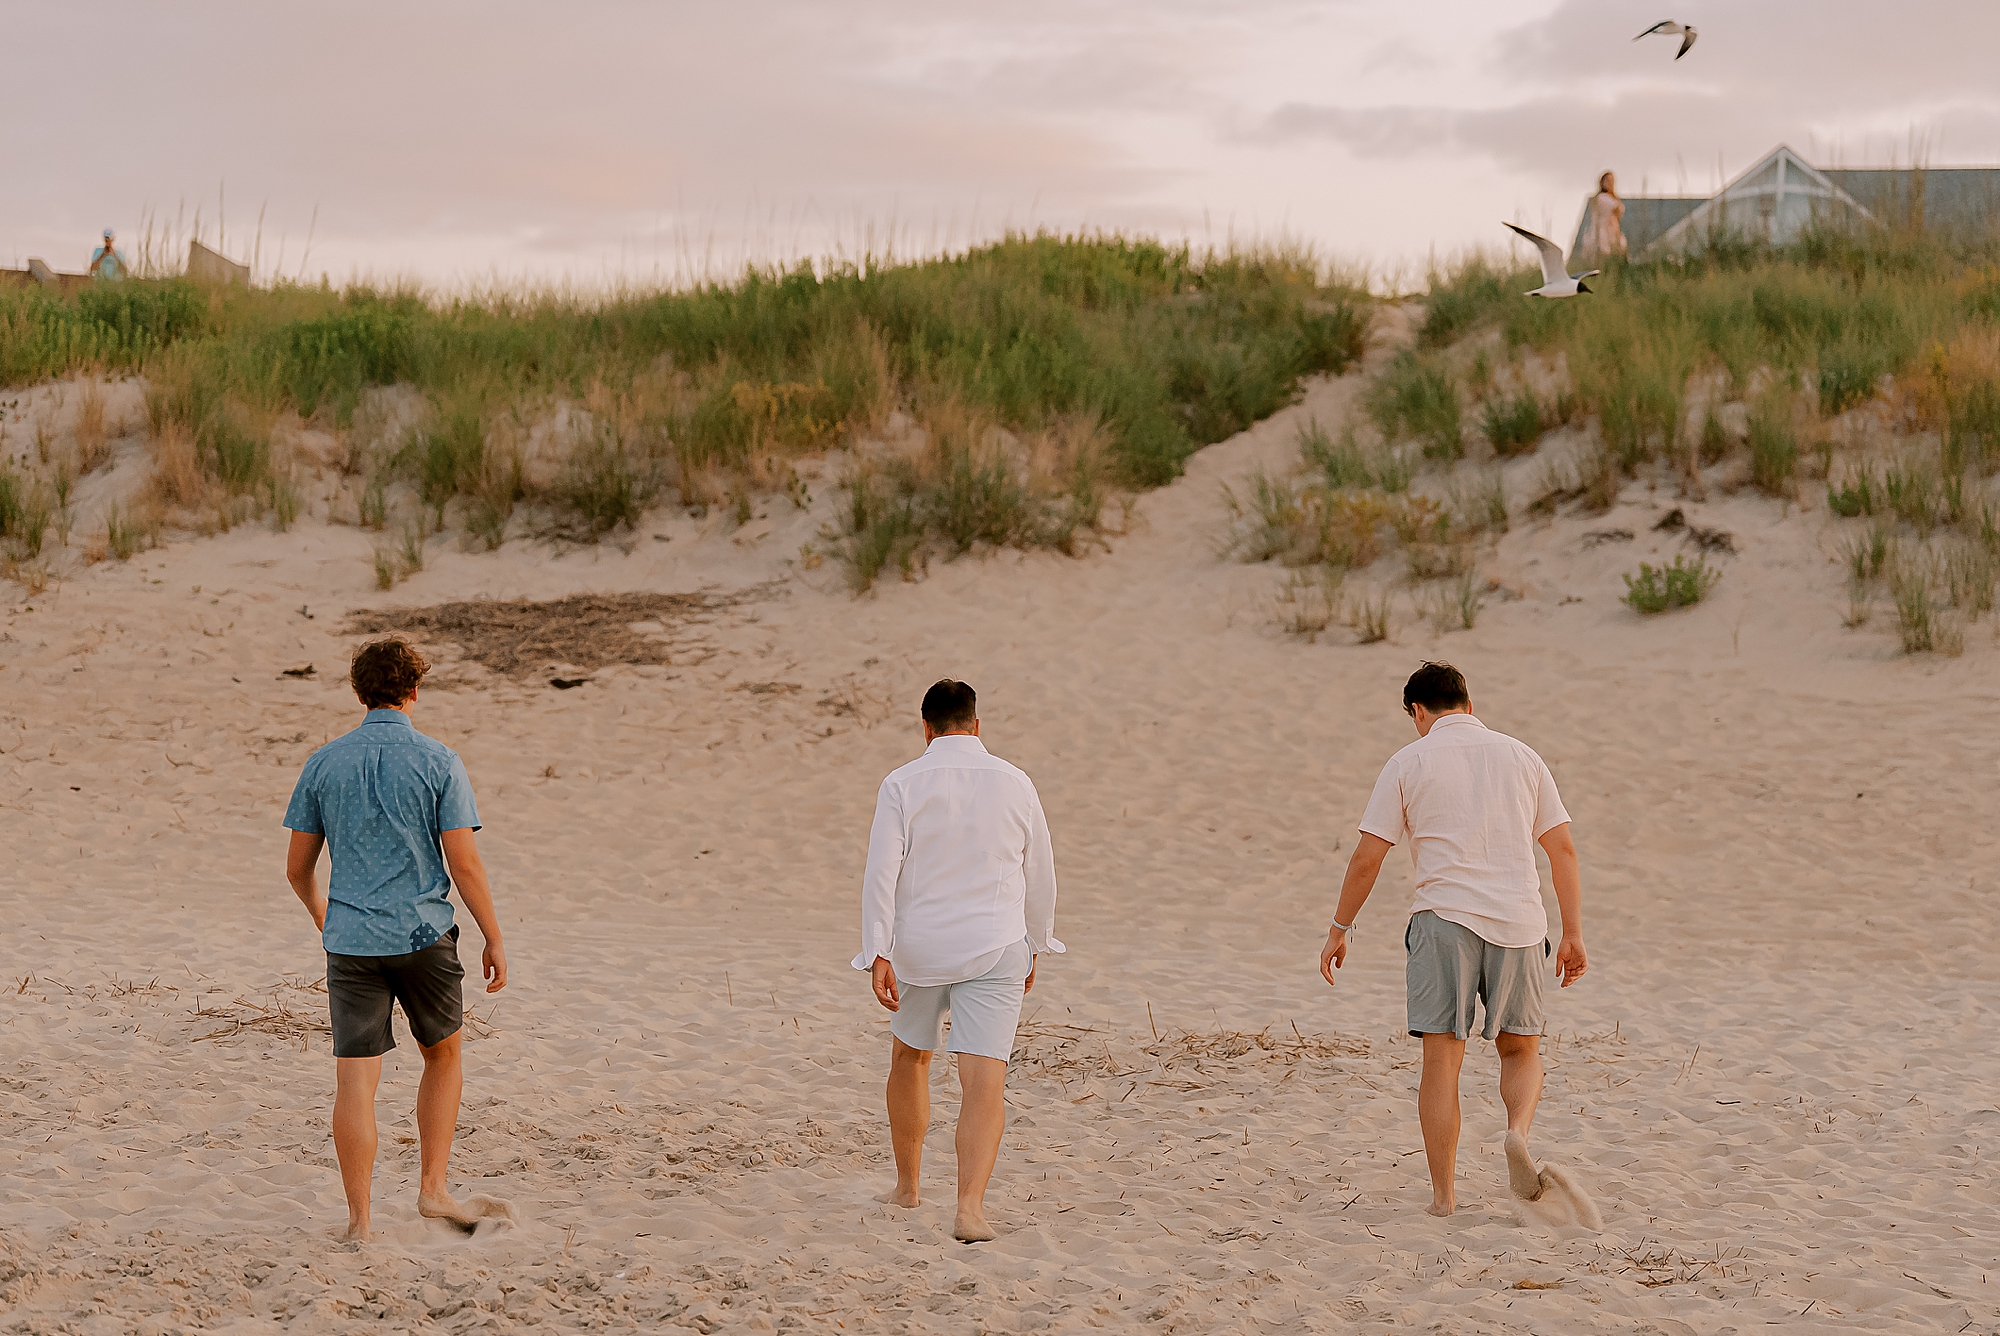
column 1605, row 236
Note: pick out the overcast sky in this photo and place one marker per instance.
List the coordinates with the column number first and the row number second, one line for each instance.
column 601, row 140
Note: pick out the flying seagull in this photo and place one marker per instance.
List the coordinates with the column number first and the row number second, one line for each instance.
column 1669, row 28
column 1556, row 280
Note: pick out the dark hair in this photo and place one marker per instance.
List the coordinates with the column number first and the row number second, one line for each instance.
column 951, row 707
column 1437, row 687
column 385, row 673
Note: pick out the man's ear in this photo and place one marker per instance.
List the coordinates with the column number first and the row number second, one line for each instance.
column 975, row 728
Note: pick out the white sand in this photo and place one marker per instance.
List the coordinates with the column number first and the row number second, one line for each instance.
column 1777, row 1080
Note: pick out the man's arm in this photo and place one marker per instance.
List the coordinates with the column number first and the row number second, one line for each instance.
column 302, row 871
column 887, row 848
column 1567, row 875
column 1363, row 866
column 1039, row 870
column 468, row 873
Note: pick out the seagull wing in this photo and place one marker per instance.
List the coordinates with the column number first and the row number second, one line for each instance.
column 1665, row 28
column 1552, row 256
column 1686, row 42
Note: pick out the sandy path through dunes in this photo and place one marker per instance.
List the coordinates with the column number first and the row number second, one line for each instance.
column 1778, row 1078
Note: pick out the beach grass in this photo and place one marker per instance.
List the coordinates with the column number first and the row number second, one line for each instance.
column 707, row 394
column 1679, row 584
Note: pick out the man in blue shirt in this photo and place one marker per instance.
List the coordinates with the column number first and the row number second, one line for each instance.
column 105, row 261
column 397, row 809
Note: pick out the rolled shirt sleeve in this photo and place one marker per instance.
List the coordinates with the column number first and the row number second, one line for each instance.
column 1385, row 816
column 1549, row 809
column 1039, row 906
column 887, row 845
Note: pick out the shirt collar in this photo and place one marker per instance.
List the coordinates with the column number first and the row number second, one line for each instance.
column 388, row 717
column 956, row 742
column 1444, row 719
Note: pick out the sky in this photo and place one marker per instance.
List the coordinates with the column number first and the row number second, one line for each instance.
column 604, row 142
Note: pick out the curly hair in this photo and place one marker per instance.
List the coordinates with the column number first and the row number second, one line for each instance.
column 1435, row 686
column 385, row 673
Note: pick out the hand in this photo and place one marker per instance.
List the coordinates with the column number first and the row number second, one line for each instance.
column 493, row 966
column 1334, row 954
column 1029, row 985
column 1570, row 962
column 883, row 976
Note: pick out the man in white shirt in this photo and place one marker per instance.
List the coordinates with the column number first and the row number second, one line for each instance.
column 1471, row 804
column 958, row 902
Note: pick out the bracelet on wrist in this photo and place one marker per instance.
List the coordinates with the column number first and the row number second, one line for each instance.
column 1344, row 927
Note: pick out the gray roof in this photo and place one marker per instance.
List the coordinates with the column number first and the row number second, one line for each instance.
column 1766, row 201
column 1946, row 199
column 1647, row 217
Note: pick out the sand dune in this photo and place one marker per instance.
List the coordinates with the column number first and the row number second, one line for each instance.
column 1776, row 1083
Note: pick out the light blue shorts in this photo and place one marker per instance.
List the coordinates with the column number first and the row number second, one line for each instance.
column 985, row 1011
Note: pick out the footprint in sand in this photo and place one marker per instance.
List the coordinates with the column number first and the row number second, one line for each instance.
column 1546, row 1194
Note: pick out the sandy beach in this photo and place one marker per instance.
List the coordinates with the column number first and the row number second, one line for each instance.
column 1777, row 1081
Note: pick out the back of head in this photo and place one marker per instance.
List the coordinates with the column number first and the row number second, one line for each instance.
column 1437, row 687
column 385, row 673
column 951, row 707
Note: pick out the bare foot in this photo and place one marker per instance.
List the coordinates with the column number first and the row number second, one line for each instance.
column 1522, row 1177
column 443, row 1206
column 971, row 1228
column 356, row 1232
column 900, row 1196
column 1441, row 1207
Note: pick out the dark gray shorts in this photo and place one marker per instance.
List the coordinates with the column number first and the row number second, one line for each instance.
column 1451, row 968
column 360, row 989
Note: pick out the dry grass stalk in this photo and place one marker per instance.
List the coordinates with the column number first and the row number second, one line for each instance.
column 178, row 478
column 92, row 447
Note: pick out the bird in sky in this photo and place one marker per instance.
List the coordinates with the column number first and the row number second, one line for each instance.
column 1668, row 28
column 1556, row 278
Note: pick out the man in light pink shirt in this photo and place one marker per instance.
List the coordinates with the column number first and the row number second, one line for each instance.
column 1471, row 804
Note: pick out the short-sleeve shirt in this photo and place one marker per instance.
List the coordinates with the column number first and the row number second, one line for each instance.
column 106, row 263
column 1471, row 803
column 382, row 796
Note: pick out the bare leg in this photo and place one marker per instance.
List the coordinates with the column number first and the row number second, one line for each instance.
column 355, row 1080
column 437, row 1121
column 1520, row 1078
column 1437, row 1111
column 982, row 1117
column 1521, row 1091
column 909, row 1117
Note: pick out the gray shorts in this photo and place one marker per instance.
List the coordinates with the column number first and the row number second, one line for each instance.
column 360, row 990
column 985, row 1011
column 1451, row 967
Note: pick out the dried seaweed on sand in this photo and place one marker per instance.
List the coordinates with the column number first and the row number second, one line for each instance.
column 589, row 631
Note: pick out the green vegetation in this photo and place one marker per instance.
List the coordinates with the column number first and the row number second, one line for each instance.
column 1681, row 584
column 1417, row 398
column 1150, row 350
column 1514, row 426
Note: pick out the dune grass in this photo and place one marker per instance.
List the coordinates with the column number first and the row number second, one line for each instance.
column 1679, row 584
column 1797, row 336
column 708, row 394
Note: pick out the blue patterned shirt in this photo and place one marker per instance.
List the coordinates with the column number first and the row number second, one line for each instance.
column 381, row 796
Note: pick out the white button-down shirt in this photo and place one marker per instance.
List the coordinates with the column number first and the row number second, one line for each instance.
column 1471, row 803
column 959, row 867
